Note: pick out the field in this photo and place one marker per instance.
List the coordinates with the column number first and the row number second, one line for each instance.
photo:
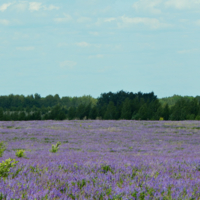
column 102, row 160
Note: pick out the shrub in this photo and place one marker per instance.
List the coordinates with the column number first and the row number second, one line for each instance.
column 20, row 153
column 55, row 148
column 106, row 169
column 81, row 184
column 2, row 148
column 197, row 117
column 5, row 167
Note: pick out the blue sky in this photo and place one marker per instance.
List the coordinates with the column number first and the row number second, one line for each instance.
column 87, row 47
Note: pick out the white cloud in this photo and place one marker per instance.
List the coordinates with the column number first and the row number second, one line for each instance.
column 151, row 22
column 124, row 21
column 100, row 21
column 156, row 6
column 97, row 56
column 182, row 4
column 110, row 19
column 94, row 33
column 105, row 69
column 148, row 5
column 30, row 48
column 4, row 6
column 188, row 51
column 64, row 19
column 82, row 44
column 68, row 64
column 197, row 22
column 62, row 44
column 21, row 6
column 51, row 7
column 4, row 21
column 83, row 19
column 35, row 6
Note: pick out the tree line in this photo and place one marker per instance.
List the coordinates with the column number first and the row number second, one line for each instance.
column 19, row 102
column 108, row 106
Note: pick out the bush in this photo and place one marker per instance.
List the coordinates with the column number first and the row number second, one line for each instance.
column 197, row 117
column 106, row 169
column 2, row 148
column 5, row 167
column 20, row 153
column 55, row 148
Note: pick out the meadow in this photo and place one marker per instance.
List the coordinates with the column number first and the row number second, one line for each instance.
column 100, row 160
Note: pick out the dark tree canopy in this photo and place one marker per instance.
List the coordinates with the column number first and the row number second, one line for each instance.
column 109, row 106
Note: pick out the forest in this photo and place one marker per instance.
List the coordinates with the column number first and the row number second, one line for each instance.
column 108, row 106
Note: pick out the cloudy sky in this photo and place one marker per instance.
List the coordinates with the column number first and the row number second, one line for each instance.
column 87, row 47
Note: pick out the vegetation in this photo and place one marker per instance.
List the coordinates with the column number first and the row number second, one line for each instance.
column 109, row 106
column 20, row 153
column 2, row 148
column 118, row 160
column 171, row 101
column 55, row 147
column 5, row 167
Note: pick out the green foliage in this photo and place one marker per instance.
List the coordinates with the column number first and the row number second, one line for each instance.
column 93, row 113
column 81, row 184
column 135, row 172
column 83, row 111
column 143, row 113
column 149, row 192
column 110, row 111
column 56, row 113
column 171, row 101
column 72, row 196
column 117, row 197
column 106, row 169
column 166, row 112
column 35, row 169
column 20, row 153
column 55, row 147
column 5, row 167
column 197, row 117
column 127, row 109
column 1, row 114
column 71, row 113
column 185, row 110
column 2, row 148
column 110, row 106
column 2, row 197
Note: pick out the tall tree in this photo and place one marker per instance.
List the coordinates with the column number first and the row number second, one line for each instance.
column 1, row 114
column 166, row 112
column 110, row 111
column 71, row 113
column 126, row 112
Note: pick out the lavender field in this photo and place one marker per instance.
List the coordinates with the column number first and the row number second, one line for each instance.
column 102, row 160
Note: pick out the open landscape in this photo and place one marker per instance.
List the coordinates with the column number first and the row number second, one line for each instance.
column 101, row 160
column 100, row 100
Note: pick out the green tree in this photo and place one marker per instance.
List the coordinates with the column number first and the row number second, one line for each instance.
column 126, row 112
column 71, row 113
column 1, row 114
column 110, row 111
column 179, row 111
column 143, row 112
column 93, row 113
column 80, row 112
column 22, row 116
column 166, row 112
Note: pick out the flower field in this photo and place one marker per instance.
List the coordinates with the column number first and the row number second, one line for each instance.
column 100, row 160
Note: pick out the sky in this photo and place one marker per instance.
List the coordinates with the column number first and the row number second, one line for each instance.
column 88, row 47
